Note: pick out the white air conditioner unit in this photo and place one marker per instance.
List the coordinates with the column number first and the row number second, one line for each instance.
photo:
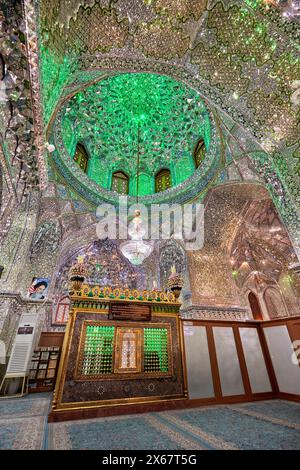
column 15, row 379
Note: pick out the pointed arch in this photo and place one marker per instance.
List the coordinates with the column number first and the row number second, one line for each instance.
column 199, row 153
column 255, row 306
column 62, row 310
column 81, row 157
column 120, row 182
column 163, row 180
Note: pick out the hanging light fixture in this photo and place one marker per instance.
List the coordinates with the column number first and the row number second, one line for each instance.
column 137, row 250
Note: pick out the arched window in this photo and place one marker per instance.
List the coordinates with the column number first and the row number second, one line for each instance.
column 81, row 157
column 255, row 307
column 120, row 182
column 162, row 180
column 199, row 153
column 62, row 310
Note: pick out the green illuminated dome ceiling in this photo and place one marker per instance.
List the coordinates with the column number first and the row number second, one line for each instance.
column 161, row 117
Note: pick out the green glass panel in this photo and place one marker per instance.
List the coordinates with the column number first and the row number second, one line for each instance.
column 55, row 72
column 156, row 357
column 98, row 350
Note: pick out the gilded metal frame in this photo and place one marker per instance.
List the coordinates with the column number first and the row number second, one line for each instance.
column 59, row 406
column 78, row 376
column 120, row 331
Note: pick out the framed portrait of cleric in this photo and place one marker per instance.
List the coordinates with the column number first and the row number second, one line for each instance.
column 38, row 289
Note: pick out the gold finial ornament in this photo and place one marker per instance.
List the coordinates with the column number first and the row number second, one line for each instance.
column 77, row 275
column 175, row 282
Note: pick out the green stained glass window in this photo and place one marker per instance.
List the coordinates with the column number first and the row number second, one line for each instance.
column 162, row 180
column 120, row 182
column 199, row 153
column 81, row 157
column 156, row 356
column 97, row 356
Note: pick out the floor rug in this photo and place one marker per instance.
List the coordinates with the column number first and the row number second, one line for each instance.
column 272, row 424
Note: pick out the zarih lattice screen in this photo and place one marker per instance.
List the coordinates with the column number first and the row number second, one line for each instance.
column 156, row 356
column 97, row 355
column 115, row 351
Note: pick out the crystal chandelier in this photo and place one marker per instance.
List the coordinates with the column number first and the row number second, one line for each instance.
column 136, row 250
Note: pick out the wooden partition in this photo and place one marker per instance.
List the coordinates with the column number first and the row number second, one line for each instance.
column 223, row 361
column 231, row 362
column 227, row 362
column 282, row 338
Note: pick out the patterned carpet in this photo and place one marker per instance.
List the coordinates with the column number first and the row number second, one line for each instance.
column 23, row 421
column 262, row 425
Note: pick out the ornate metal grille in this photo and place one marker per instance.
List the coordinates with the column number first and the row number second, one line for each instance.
column 163, row 181
column 156, row 356
column 120, row 182
column 98, row 350
column 81, row 157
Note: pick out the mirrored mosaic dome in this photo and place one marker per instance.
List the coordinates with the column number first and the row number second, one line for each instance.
column 133, row 121
column 153, row 115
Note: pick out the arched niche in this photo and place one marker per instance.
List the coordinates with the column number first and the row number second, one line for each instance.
column 274, row 302
column 61, row 310
column 120, row 182
column 199, row 153
column 163, row 180
column 255, row 306
column 81, row 157
column 105, row 264
column 172, row 254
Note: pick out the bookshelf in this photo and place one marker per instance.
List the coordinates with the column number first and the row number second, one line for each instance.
column 43, row 368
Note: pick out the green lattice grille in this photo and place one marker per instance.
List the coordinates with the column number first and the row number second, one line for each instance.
column 156, row 357
column 81, row 157
column 98, row 350
column 162, row 181
column 120, row 183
